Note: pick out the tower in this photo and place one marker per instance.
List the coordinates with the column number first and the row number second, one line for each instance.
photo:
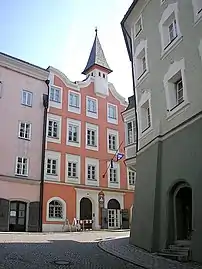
column 98, row 68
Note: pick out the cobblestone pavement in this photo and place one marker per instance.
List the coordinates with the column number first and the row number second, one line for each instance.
column 121, row 248
column 78, row 250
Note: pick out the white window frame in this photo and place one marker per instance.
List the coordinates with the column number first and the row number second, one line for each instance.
column 92, row 162
column 53, row 103
column 197, row 9
column 16, row 166
column 145, row 97
column 169, row 15
column 146, row 113
column 63, row 209
column 77, row 160
column 57, row 119
column 26, row 98
column 136, row 31
column 175, row 72
column 94, row 128
column 129, row 171
column 53, row 155
column 116, row 134
column 53, row 166
column 27, row 126
column 89, row 113
column 116, row 165
column 140, row 53
column 132, row 135
column 55, row 97
column 78, row 125
column 109, row 119
column 73, row 108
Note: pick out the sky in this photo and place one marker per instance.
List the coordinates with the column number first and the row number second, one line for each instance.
column 61, row 33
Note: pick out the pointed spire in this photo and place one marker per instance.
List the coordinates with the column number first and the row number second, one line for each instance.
column 97, row 56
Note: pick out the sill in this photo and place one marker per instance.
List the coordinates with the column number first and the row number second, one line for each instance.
column 198, row 17
column 146, row 132
column 177, row 110
column 18, row 175
column 58, row 102
column 172, row 45
column 26, row 105
column 93, row 112
column 112, row 118
column 176, row 106
column 76, row 142
column 89, row 145
column 138, row 33
column 23, row 138
column 76, row 178
column 56, row 219
column 146, row 129
column 53, row 137
column 91, row 180
column 142, row 77
column 52, row 175
column 77, row 107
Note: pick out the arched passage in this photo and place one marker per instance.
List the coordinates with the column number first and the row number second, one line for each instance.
column 180, row 213
column 113, row 213
column 85, row 209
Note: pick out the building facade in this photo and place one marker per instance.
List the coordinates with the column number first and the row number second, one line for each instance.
column 85, row 132
column 23, row 88
column 164, row 42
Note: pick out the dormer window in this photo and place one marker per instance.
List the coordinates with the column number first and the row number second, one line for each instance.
column 99, row 74
column 104, row 76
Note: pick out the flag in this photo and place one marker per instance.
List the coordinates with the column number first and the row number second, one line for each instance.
column 119, row 156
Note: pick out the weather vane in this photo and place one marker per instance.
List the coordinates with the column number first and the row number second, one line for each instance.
column 96, row 30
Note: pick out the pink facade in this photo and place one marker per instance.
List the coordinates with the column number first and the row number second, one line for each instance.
column 22, row 86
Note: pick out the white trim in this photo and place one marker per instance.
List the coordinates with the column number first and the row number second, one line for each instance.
column 112, row 120
column 63, row 209
column 111, row 184
column 165, row 45
column 57, row 105
column 78, row 124
column 94, row 162
column 74, row 109
column 89, row 113
column 77, row 160
column 30, row 130
column 136, row 34
column 59, row 120
column 130, row 186
column 197, row 16
column 55, row 156
column 115, row 133
column 16, row 162
column 119, row 196
column 119, row 97
column 96, row 129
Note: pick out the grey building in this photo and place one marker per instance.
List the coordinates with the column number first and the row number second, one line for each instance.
column 164, row 42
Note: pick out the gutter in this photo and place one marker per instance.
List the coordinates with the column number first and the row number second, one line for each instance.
column 129, row 48
column 43, row 148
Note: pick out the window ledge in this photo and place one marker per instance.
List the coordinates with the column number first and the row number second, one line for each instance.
column 171, row 46
column 23, row 176
column 58, row 102
column 146, row 132
column 55, row 219
column 23, row 138
column 177, row 110
column 197, row 18
column 138, row 33
column 142, row 77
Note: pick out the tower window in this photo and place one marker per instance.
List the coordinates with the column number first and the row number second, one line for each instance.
column 104, row 76
column 99, row 74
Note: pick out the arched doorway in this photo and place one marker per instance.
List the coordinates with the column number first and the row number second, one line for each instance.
column 85, row 209
column 113, row 207
column 183, row 213
column 17, row 219
column 180, row 213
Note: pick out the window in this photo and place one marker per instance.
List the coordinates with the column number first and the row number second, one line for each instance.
column 51, row 167
column 197, row 7
column 146, row 116
column 55, row 95
column 21, row 166
column 141, row 64
column 53, row 128
column 112, row 112
column 73, row 133
column 138, row 26
column 74, row 99
column 112, row 142
column 104, row 75
column 92, row 105
column 113, row 175
column 179, row 91
column 131, row 177
column 91, row 137
column 91, row 172
column 72, row 169
column 169, row 27
column 99, row 74
column 130, row 132
column 26, row 98
column 55, row 210
column 24, row 130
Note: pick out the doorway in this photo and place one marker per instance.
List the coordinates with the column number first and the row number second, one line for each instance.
column 85, row 209
column 113, row 214
column 17, row 217
column 183, row 213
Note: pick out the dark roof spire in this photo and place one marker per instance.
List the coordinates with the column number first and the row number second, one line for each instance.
column 97, row 56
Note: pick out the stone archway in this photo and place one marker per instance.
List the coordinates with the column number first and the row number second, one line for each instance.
column 180, row 212
column 85, row 209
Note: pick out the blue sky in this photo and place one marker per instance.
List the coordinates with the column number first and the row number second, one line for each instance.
column 61, row 33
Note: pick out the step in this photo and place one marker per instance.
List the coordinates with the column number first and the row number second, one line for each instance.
column 174, row 256
column 179, row 248
column 180, row 252
column 183, row 243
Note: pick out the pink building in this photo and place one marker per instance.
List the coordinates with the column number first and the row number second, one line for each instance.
column 23, row 91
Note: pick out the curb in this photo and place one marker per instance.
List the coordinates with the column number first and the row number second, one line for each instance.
column 122, row 257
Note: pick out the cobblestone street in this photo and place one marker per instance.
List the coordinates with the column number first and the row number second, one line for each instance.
column 78, row 250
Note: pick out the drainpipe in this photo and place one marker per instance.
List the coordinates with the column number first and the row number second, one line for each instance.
column 133, row 78
column 45, row 104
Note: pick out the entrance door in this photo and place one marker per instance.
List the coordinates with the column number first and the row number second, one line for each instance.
column 113, row 218
column 85, row 209
column 17, row 220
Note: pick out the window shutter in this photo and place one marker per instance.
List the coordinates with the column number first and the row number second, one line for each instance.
column 33, row 222
column 4, row 215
